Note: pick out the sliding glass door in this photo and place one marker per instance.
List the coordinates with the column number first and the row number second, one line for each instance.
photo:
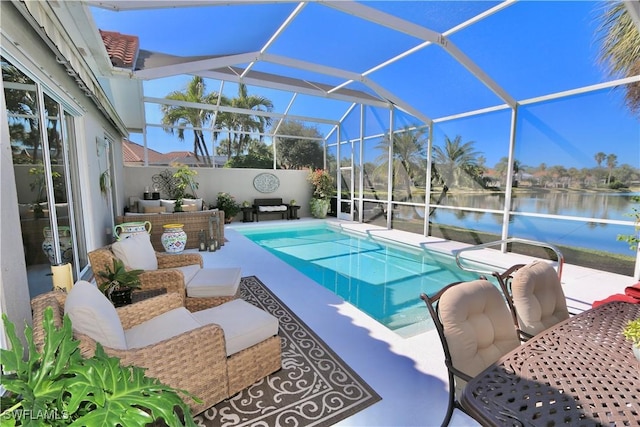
column 41, row 139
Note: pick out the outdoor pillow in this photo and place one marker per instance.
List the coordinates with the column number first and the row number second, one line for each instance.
column 148, row 204
column 197, row 202
column 136, row 252
column 167, row 325
column 189, row 208
column 154, row 209
column 168, row 204
column 92, row 314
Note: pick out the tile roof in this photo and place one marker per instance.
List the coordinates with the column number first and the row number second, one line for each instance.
column 122, row 48
column 134, row 153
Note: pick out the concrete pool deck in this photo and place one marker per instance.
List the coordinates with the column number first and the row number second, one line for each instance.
column 408, row 373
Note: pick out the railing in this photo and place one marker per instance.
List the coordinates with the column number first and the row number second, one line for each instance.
column 457, row 252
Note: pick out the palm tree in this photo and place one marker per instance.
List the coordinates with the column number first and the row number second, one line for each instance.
column 240, row 125
column 181, row 117
column 455, row 158
column 600, row 157
column 408, row 156
column 621, row 49
column 612, row 161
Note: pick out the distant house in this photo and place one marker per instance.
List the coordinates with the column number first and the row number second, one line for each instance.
column 133, row 154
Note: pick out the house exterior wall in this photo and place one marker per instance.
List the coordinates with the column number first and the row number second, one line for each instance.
column 237, row 182
column 21, row 45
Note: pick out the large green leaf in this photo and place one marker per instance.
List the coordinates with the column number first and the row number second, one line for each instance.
column 60, row 387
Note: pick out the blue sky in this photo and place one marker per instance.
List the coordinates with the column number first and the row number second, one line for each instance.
column 530, row 49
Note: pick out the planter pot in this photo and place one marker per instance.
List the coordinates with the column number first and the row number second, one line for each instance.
column 126, row 229
column 319, row 207
column 66, row 245
column 174, row 239
column 121, row 297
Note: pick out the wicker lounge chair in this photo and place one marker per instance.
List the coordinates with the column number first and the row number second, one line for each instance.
column 196, row 360
column 171, row 272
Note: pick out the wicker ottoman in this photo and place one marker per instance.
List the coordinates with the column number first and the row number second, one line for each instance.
column 211, row 287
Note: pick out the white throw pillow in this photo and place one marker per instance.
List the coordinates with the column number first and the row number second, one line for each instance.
column 136, row 252
column 168, row 204
column 147, row 204
column 92, row 314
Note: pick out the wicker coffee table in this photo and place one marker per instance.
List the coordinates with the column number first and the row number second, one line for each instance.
column 579, row 372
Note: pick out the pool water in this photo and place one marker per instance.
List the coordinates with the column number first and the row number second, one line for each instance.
column 383, row 279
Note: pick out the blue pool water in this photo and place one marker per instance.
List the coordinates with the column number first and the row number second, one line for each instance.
column 383, row 279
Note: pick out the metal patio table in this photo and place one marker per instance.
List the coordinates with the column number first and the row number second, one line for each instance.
column 579, row 372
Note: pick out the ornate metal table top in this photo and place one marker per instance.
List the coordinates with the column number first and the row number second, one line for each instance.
column 579, row 372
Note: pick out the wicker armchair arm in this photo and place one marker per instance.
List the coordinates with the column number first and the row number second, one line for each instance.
column 171, row 280
column 134, row 314
column 195, row 361
column 178, row 260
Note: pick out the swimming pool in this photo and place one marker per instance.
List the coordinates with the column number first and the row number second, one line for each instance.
column 381, row 278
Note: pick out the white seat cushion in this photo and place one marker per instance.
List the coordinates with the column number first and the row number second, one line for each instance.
column 189, row 271
column 92, row 314
column 272, row 208
column 244, row 325
column 136, row 252
column 162, row 327
column 214, row 282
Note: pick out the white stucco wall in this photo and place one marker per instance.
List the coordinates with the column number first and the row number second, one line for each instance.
column 237, row 182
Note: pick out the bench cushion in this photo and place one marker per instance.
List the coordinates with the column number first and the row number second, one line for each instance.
column 272, row 208
column 244, row 325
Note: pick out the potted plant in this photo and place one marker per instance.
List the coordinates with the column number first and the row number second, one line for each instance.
column 119, row 283
column 632, row 333
column 323, row 189
column 227, row 203
column 60, row 387
column 183, row 180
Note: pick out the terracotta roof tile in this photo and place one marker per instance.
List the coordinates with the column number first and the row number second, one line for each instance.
column 122, row 48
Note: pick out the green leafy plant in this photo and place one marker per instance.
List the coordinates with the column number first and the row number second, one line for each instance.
column 633, row 239
column 119, row 278
column 322, row 184
column 105, row 182
column 60, row 387
column 632, row 332
column 227, row 203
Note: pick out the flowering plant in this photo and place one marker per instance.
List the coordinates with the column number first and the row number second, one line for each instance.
column 322, row 183
column 227, row 203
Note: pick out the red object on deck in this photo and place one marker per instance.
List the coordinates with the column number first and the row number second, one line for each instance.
column 631, row 294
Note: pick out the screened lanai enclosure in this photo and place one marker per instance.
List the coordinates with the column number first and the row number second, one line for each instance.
column 469, row 120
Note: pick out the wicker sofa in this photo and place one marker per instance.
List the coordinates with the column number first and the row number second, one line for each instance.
column 195, row 361
column 193, row 222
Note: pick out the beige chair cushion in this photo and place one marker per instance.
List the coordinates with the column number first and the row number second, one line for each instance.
column 136, row 252
column 189, row 271
column 477, row 325
column 243, row 324
column 214, row 282
column 167, row 325
column 538, row 297
column 154, row 209
column 92, row 314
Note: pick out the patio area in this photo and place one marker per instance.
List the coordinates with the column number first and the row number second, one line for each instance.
column 408, row 373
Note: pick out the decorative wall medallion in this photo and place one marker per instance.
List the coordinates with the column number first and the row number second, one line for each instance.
column 266, row 183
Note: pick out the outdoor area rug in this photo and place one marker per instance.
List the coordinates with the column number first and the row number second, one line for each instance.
column 315, row 387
